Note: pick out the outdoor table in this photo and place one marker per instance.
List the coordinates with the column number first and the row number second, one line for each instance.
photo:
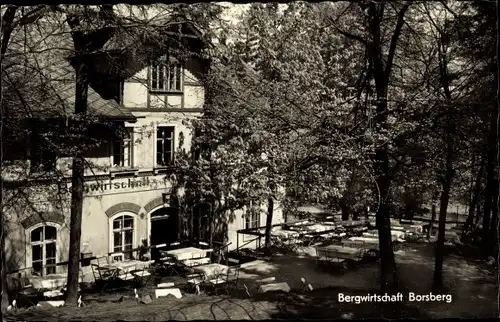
column 187, row 253
column 367, row 241
column 52, row 281
column 284, row 233
column 450, row 234
column 396, row 234
column 319, row 228
column 345, row 252
column 417, row 228
column 351, row 223
column 211, row 271
column 126, row 266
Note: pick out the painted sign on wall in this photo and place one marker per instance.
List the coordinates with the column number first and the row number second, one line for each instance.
column 125, row 184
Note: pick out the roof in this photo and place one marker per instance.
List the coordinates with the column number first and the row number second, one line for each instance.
column 53, row 78
column 62, row 87
column 45, row 87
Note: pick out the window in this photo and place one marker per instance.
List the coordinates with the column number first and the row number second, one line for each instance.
column 165, row 145
column 166, row 77
column 42, row 153
column 123, row 234
column 122, row 150
column 252, row 218
column 43, row 250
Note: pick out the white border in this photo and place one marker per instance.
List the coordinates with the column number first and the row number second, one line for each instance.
column 59, row 243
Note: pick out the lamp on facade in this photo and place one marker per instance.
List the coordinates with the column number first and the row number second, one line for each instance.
column 165, row 199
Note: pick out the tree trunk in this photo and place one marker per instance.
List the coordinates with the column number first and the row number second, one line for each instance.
column 443, row 208
column 346, row 202
column 346, row 210
column 475, row 198
column 490, row 184
column 494, row 221
column 4, row 286
column 431, row 224
column 479, row 215
column 269, row 221
column 381, row 70
column 7, row 28
column 449, row 171
column 211, row 226
column 77, row 190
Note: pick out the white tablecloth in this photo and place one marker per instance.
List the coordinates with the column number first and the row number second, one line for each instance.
column 345, row 252
column 129, row 265
column 396, row 234
column 53, row 281
column 187, row 253
column 365, row 239
column 212, row 270
column 284, row 233
column 319, row 228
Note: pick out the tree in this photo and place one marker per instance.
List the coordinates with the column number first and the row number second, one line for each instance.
column 478, row 46
column 380, row 69
column 11, row 19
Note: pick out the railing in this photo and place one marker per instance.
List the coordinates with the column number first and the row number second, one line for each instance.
column 238, row 247
column 217, row 251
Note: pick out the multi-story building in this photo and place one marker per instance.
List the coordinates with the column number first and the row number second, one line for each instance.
column 127, row 191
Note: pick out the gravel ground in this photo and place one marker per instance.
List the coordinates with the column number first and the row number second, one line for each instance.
column 472, row 286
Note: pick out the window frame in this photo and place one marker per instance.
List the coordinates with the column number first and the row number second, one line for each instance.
column 30, row 244
column 173, row 145
column 165, row 64
column 249, row 220
column 121, row 230
column 121, row 141
column 41, row 158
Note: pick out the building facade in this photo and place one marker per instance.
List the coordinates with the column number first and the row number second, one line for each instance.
column 127, row 193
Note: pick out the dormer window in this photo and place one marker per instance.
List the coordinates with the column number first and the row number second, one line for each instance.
column 166, row 76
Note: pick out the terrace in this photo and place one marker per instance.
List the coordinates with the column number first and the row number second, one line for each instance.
column 306, row 258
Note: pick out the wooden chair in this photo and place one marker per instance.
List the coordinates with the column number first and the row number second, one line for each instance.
column 233, row 272
column 102, row 260
column 140, row 276
column 193, row 262
column 174, row 245
column 195, row 280
column 204, row 244
column 228, row 280
column 321, row 256
column 333, row 256
column 117, row 257
column 102, row 275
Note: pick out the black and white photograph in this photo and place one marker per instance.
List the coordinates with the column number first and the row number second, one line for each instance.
column 332, row 160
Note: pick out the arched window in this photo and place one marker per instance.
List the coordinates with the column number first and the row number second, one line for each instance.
column 43, row 249
column 123, row 234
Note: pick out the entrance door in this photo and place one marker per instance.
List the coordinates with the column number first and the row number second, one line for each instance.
column 164, row 228
column 200, row 222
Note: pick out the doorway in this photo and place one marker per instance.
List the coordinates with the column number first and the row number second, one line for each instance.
column 201, row 225
column 164, row 228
